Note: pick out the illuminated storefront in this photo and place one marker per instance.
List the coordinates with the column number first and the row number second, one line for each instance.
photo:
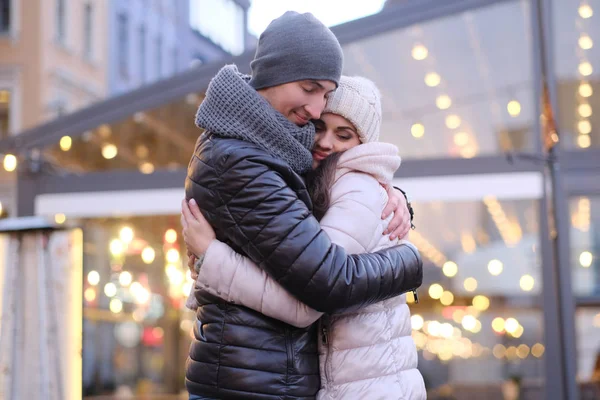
column 462, row 86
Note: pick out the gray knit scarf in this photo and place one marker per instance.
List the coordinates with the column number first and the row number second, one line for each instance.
column 233, row 109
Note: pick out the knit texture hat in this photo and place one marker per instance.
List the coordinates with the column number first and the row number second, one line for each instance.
column 296, row 47
column 358, row 100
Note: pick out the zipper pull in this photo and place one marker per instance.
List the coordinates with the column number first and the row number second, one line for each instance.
column 415, row 295
column 324, row 335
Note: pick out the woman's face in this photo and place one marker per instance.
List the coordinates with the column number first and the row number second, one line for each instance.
column 334, row 133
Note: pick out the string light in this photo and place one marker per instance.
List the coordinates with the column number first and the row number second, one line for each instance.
column 148, row 255
column 116, row 306
column 481, row 303
column 450, row 269
column 443, row 102
column 109, row 151
column 93, row 278
column 447, row 298
column 584, row 141
column 432, row 79
column 453, row 121
column 417, row 130
column 417, row 322
column 514, row 108
column 419, row 52
column 146, row 168
column 586, row 90
column 526, row 282
column 435, row 291
column 110, row 289
column 116, row 247
column 461, row 138
column 585, row 259
column 585, row 110
column 585, row 68
column 170, row 236
column 585, row 11
column 65, row 143
column 10, row 162
column 60, row 218
column 125, row 278
column 470, row 284
column 126, row 234
column 495, row 267
column 585, row 42
column 584, row 127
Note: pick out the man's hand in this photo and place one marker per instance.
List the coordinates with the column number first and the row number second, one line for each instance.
column 400, row 224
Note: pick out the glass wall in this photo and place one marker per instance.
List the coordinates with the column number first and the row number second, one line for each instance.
column 577, row 67
column 136, row 330
column 585, row 245
column 459, row 86
column 478, row 325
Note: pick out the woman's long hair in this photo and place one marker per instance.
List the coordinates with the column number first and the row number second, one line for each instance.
column 319, row 182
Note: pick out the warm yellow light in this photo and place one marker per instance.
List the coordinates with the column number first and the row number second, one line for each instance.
column 176, row 277
column 186, row 289
column 585, row 11
column 116, row 247
column 461, row 138
column 433, row 328
column 170, row 236
column 495, row 267
column 585, row 259
column 468, row 151
column 116, row 306
column 585, row 110
column 417, row 130
column 511, row 325
column 126, row 234
column 148, row 255
column 417, row 322
column 469, row 322
column 453, row 121
column 125, row 278
column 432, row 79
column 140, row 293
column 89, row 294
column 584, row 141
column 146, row 168
column 470, row 284
column 443, row 102
column 93, row 278
column 586, row 69
column 446, row 330
column 499, row 351
column 410, row 298
column 537, row 350
column 481, row 303
column 109, row 151
column 523, row 351
column 60, row 218
column 65, row 143
column 527, row 282
column 586, row 90
column 445, row 355
column 10, row 162
column 419, row 52
column 584, row 127
column 447, row 298
column 110, row 289
column 498, row 325
column 519, row 332
column 435, row 291
column 514, row 108
column 467, row 242
column 585, row 42
column 477, row 327
column 450, row 269
column 172, row 255
column 597, row 320
column 458, row 316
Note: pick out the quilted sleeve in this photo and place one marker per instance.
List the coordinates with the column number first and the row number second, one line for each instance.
column 262, row 215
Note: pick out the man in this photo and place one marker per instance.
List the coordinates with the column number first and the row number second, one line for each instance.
column 246, row 176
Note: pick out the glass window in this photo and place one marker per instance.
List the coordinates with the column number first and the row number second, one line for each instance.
column 459, row 86
column 123, row 34
column 4, row 16
column 226, row 31
column 478, row 326
column 88, row 13
column 4, row 113
column 585, row 245
column 61, row 24
column 577, row 66
column 587, row 324
column 142, row 48
column 136, row 328
column 159, row 57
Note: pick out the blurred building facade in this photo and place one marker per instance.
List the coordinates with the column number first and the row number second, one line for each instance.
column 151, row 40
column 463, row 84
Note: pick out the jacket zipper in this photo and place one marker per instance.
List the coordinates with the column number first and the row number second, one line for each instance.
column 415, row 295
column 327, row 346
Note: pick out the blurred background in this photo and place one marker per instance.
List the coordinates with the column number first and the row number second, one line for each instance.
column 97, row 100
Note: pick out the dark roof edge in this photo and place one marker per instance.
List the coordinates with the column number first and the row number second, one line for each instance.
column 197, row 79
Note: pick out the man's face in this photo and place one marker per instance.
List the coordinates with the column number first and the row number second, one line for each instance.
column 299, row 101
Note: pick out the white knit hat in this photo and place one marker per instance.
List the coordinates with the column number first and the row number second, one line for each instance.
column 358, row 100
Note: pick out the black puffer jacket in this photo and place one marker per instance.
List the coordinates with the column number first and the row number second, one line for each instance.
column 261, row 208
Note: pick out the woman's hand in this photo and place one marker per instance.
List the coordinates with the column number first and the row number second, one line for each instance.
column 400, row 224
column 197, row 232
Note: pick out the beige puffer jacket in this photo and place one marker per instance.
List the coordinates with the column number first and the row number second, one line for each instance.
column 364, row 354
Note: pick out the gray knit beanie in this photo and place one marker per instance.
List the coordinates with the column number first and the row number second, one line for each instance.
column 296, row 47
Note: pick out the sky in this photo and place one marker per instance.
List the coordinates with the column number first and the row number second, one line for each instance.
column 330, row 12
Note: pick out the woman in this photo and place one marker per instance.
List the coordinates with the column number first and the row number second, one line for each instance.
column 366, row 353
